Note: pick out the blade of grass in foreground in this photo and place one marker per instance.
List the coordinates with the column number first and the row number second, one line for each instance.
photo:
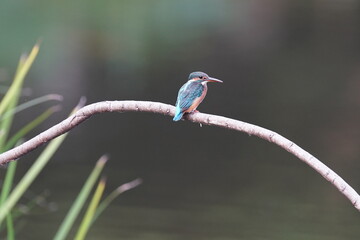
column 33, row 172
column 8, row 181
column 106, row 202
column 32, row 103
column 7, row 184
column 80, row 200
column 30, row 126
column 30, row 175
column 23, row 69
column 10, row 227
column 86, row 222
column 8, row 104
column 5, row 124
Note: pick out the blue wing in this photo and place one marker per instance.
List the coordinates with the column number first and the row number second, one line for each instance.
column 187, row 94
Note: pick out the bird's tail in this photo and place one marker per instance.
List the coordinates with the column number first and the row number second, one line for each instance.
column 178, row 115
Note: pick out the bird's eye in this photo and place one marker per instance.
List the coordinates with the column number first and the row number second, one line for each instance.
column 201, row 77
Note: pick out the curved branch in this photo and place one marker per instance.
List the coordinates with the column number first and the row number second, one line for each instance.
column 207, row 119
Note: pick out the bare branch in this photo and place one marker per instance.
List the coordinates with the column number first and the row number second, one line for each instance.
column 202, row 118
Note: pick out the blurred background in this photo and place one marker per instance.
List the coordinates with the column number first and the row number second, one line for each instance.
column 290, row 66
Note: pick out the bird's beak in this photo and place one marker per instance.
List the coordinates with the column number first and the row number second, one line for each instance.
column 211, row 79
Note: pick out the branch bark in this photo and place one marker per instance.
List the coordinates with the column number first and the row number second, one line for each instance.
column 207, row 119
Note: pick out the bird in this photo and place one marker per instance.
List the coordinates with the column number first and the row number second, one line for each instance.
column 192, row 93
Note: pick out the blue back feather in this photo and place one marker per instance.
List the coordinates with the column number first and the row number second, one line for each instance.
column 188, row 93
column 186, row 96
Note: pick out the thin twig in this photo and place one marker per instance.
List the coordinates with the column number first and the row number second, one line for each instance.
column 202, row 118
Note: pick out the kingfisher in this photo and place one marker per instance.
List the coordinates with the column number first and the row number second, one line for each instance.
column 192, row 93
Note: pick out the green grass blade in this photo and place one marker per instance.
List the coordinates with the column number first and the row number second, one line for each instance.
column 11, row 98
column 8, row 181
column 114, row 194
column 23, row 69
column 30, row 175
column 80, row 200
column 32, row 103
column 28, row 127
column 5, row 124
column 86, row 222
column 7, row 184
column 22, row 60
column 10, row 227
